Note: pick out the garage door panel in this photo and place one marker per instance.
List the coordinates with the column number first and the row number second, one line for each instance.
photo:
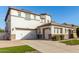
column 25, row 34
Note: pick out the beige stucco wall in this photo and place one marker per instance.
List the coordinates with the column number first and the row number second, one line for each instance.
column 14, row 12
column 35, row 20
column 22, row 22
column 63, row 30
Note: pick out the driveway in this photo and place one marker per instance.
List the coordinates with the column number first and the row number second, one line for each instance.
column 6, row 43
column 45, row 46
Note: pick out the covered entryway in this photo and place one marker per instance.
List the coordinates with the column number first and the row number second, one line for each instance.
column 46, row 33
column 70, row 34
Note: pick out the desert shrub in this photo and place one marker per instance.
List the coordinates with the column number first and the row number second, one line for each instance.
column 58, row 37
column 55, row 38
column 61, row 37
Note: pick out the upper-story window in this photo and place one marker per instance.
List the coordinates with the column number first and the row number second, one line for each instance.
column 23, row 14
column 27, row 16
column 42, row 17
column 14, row 12
column 37, row 17
column 19, row 13
column 34, row 17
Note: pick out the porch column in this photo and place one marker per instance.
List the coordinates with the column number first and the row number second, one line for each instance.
column 74, row 34
column 52, row 30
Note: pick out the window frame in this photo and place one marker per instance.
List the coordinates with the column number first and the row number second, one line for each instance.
column 61, row 31
column 27, row 17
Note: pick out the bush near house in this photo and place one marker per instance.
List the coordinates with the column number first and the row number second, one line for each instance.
column 58, row 37
column 61, row 37
column 55, row 38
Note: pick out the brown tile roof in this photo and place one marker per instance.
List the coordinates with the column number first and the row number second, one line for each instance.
column 72, row 25
column 55, row 24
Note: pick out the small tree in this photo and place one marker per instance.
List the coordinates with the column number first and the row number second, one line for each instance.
column 1, row 30
column 65, row 23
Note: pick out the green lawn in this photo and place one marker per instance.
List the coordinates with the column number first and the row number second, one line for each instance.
column 17, row 49
column 71, row 42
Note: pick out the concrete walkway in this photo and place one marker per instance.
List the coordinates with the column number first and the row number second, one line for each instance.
column 44, row 46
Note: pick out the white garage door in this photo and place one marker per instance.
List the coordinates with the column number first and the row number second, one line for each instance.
column 25, row 34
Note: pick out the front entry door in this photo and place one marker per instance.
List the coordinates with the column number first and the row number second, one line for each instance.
column 47, row 33
column 70, row 34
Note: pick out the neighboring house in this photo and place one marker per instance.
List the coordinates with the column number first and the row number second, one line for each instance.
column 21, row 24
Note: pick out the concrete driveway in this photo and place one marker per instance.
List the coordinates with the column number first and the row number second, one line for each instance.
column 6, row 43
column 45, row 46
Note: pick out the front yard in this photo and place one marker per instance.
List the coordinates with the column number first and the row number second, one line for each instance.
column 71, row 42
column 18, row 49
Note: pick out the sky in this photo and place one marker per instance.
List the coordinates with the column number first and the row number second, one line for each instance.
column 60, row 14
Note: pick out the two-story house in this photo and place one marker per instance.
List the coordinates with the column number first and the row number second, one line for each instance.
column 21, row 24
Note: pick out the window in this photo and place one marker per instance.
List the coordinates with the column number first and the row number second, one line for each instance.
column 37, row 17
column 54, row 30
column 27, row 16
column 14, row 12
column 34, row 17
column 19, row 13
column 42, row 17
column 66, row 30
column 57, row 30
column 23, row 14
column 60, row 30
